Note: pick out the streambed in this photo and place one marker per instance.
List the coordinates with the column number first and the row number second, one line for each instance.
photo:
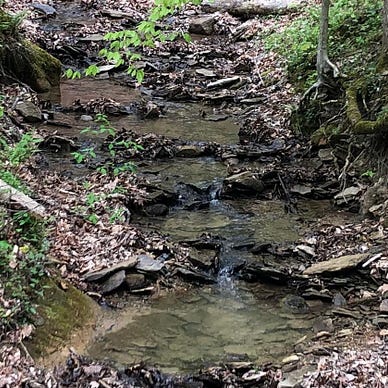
column 230, row 320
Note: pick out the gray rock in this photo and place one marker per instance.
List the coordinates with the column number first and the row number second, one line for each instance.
column 124, row 265
column 337, row 264
column 92, row 38
column 206, row 73
column 188, row 151
column 135, row 281
column 245, row 182
column 223, row 83
column 295, row 304
column 325, row 155
column 196, row 276
column 30, row 112
column 301, row 190
column 44, row 9
column 323, row 325
column 347, row 195
column 86, row 118
column 113, row 282
column 203, row 25
column 148, row 264
column 204, row 259
column 339, row 300
column 384, row 306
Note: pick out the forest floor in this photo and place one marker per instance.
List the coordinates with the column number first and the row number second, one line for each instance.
column 348, row 347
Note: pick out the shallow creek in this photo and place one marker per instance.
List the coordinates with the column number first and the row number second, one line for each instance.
column 232, row 320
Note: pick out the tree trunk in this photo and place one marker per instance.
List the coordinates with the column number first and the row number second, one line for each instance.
column 326, row 70
column 384, row 52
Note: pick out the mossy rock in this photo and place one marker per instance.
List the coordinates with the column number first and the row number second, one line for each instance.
column 30, row 64
column 61, row 314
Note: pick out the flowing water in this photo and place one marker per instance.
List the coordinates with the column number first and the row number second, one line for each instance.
column 230, row 320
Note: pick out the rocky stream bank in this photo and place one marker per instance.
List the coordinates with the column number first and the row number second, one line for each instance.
column 225, row 198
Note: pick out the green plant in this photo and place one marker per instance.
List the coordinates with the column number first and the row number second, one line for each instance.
column 12, row 156
column 86, row 155
column 9, row 24
column 353, row 26
column 93, row 218
column 22, row 266
column 116, row 215
column 123, row 44
column 368, row 174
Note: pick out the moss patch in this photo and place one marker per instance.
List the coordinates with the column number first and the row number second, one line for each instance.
column 30, row 64
column 62, row 313
column 359, row 125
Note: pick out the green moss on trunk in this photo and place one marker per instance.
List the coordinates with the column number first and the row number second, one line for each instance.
column 358, row 124
column 30, row 64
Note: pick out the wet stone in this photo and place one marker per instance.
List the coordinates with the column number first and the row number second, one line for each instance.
column 245, row 182
column 196, row 276
column 204, row 259
column 157, row 210
column 188, row 151
column 295, row 304
column 206, row 73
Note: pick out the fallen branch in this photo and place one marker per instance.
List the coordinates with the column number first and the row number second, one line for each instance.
column 10, row 194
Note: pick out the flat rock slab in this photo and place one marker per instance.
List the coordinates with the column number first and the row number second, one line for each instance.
column 148, row 264
column 251, row 7
column 338, row 264
column 123, row 265
column 114, row 282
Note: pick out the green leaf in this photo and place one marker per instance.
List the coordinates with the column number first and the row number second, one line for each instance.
column 186, row 37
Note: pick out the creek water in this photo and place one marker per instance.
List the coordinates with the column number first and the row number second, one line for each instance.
column 228, row 321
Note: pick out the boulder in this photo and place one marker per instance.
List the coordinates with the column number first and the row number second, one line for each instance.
column 338, row 264
column 113, row 282
column 203, row 25
column 246, row 182
column 29, row 111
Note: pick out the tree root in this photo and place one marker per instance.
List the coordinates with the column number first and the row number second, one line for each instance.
column 359, row 125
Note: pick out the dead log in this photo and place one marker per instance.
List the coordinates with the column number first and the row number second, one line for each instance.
column 10, row 194
column 248, row 8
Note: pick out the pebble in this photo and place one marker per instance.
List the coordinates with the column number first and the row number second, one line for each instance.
column 86, row 118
